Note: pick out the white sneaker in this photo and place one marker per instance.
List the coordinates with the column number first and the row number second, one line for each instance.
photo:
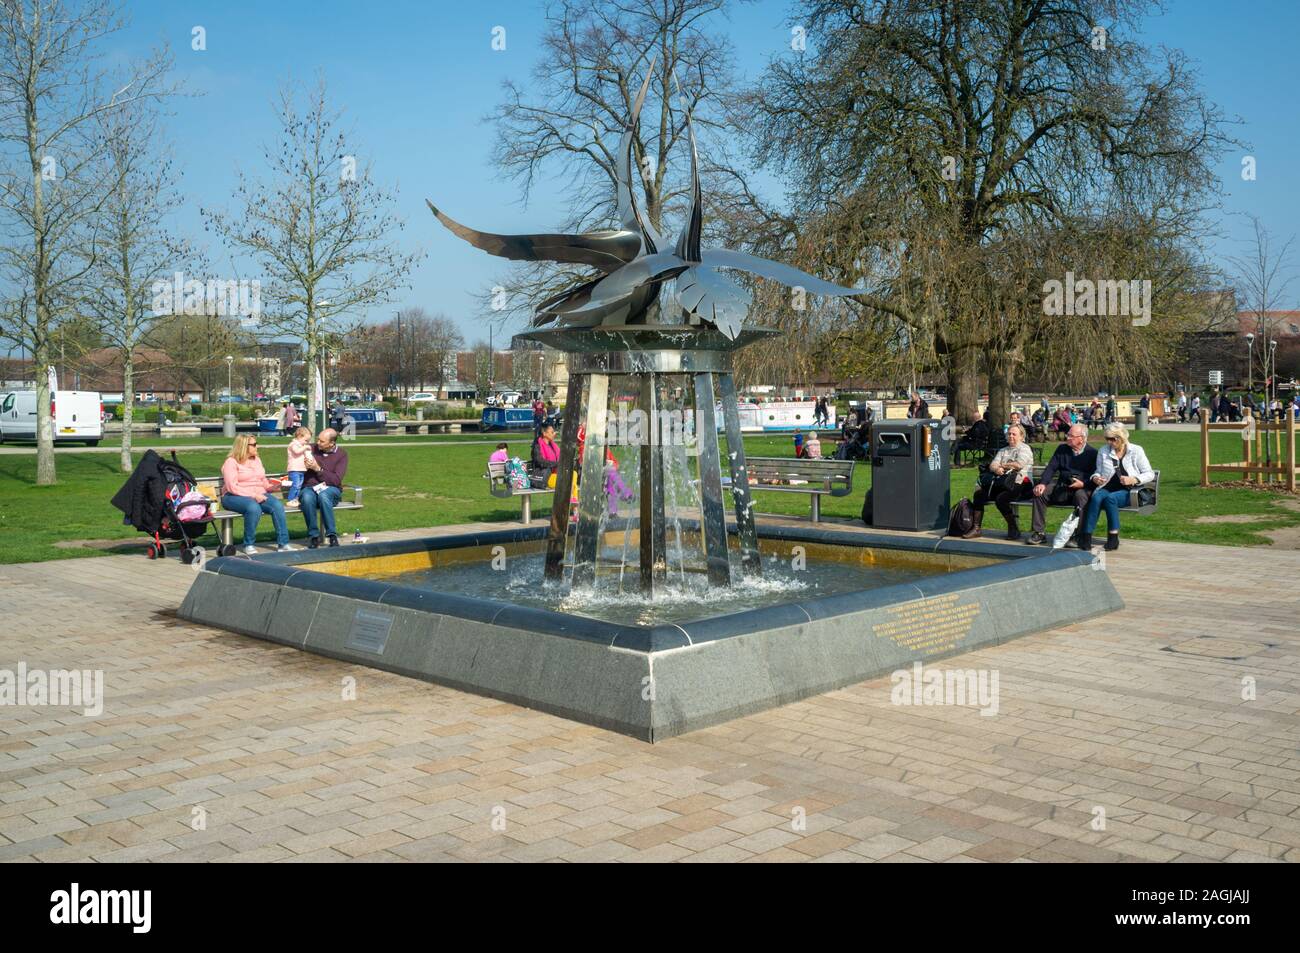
column 250, row 550
column 287, row 548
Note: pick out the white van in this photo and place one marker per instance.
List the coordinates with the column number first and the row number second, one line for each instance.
column 78, row 416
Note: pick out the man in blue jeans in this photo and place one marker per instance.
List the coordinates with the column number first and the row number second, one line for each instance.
column 323, row 487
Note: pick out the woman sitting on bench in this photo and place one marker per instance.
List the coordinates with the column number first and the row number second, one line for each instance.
column 1121, row 467
column 1009, row 481
column 246, row 490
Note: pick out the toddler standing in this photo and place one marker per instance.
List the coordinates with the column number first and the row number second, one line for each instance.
column 299, row 455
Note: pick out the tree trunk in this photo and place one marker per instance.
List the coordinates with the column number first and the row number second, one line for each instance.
column 963, row 384
column 45, row 474
column 128, row 405
column 1001, row 368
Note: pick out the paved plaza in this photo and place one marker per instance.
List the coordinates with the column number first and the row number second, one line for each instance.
column 215, row 746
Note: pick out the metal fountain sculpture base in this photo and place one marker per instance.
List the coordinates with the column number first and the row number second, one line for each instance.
column 649, row 354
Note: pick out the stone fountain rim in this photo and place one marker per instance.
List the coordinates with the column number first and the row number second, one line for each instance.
column 292, row 571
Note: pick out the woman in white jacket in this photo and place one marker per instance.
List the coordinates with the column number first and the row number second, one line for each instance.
column 1121, row 467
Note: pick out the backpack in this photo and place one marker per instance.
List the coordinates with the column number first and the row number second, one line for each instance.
column 962, row 520
column 868, row 509
column 516, row 474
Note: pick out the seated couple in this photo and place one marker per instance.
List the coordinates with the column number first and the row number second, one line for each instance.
column 247, row 490
column 1077, row 475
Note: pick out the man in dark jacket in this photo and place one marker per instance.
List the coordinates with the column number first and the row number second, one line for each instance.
column 1067, row 479
column 322, row 488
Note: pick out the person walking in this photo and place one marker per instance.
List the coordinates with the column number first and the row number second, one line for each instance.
column 539, row 416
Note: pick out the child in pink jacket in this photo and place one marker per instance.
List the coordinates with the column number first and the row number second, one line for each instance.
column 299, row 455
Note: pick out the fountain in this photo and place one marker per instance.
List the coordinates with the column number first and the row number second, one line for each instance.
column 654, row 634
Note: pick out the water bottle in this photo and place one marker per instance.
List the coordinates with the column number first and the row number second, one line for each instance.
column 356, row 537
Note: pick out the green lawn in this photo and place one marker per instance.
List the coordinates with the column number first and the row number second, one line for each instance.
column 142, row 441
column 441, row 482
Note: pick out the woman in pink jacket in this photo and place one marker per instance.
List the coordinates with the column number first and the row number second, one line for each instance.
column 246, row 490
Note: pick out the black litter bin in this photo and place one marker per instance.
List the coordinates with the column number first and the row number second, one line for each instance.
column 910, row 480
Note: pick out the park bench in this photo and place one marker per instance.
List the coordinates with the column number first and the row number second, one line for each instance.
column 817, row 478
column 224, row 520
column 499, row 486
column 1133, row 507
column 983, row 451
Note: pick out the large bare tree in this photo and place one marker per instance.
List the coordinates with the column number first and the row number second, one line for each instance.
column 566, row 121
column 319, row 228
column 916, row 133
column 52, row 92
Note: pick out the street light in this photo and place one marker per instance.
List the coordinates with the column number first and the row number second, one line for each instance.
column 1250, row 365
column 324, row 414
column 1272, row 374
column 228, row 421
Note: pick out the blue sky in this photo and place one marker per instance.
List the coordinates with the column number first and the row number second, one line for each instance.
column 416, row 80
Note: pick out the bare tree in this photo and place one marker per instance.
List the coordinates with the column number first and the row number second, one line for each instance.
column 427, row 343
column 133, row 247
column 51, row 187
column 570, row 116
column 319, row 228
column 1262, row 286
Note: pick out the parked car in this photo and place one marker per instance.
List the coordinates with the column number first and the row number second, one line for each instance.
column 424, row 397
column 78, row 416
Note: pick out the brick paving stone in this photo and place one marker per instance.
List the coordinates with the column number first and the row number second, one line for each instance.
column 1097, row 713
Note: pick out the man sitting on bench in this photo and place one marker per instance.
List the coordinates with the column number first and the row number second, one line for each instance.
column 1066, row 480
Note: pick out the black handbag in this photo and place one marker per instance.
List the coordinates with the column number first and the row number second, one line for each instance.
column 992, row 482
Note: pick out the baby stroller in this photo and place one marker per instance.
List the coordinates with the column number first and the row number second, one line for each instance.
column 162, row 498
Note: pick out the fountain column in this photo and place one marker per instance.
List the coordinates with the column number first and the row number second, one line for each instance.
column 740, row 495
column 559, row 535
column 713, row 521
column 591, row 484
column 646, row 355
column 652, row 533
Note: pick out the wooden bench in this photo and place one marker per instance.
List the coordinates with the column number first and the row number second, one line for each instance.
column 1132, row 507
column 983, row 452
column 224, row 519
column 817, row 478
column 499, row 486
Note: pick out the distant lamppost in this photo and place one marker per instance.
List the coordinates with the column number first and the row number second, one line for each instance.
column 1250, row 362
column 1272, row 374
column 228, row 421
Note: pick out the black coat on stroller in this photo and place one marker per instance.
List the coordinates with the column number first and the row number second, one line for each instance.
column 161, row 498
